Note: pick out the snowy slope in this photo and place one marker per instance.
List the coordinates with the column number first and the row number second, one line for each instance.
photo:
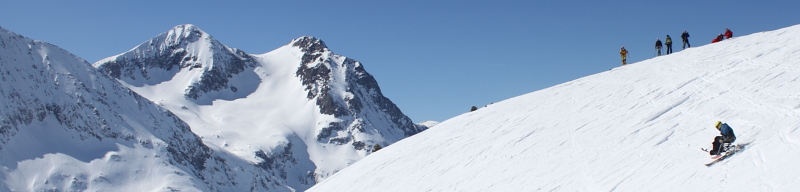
column 634, row 128
column 65, row 126
column 300, row 112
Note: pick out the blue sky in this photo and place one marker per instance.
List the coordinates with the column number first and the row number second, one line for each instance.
column 434, row 59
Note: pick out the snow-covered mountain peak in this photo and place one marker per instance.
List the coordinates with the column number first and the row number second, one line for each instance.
column 186, row 33
column 429, row 124
column 309, row 44
column 202, row 66
column 65, row 126
column 638, row 127
column 299, row 111
column 187, row 30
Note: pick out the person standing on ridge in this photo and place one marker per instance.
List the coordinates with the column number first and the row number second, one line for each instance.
column 669, row 45
column 726, row 137
column 728, row 33
column 624, row 54
column 658, row 46
column 685, row 37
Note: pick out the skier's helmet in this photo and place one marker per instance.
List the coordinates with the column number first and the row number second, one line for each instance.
column 718, row 124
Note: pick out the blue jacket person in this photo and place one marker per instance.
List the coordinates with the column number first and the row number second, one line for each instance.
column 726, row 136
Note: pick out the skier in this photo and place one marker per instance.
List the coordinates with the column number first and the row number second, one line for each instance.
column 728, row 33
column 726, row 137
column 718, row 39
column 669, row 45
column 658, row 46
column 685, row 37
column 624, row 54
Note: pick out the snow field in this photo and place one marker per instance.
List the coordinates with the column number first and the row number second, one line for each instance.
column 638, row 127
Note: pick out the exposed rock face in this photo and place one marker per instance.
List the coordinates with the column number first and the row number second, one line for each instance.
column 315, row 71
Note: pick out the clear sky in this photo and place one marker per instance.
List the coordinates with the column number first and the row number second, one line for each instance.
column 434, row 59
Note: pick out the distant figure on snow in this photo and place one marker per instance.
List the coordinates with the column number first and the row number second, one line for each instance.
column 624, row 54
column 727, row 137
column 718, row 39
column 658, row 46
column 728, row 33
column 669, row 45
column 685, row 37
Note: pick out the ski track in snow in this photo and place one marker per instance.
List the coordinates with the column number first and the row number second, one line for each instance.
column 633, row 128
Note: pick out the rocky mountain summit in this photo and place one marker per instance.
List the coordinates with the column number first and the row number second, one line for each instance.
column 300, row 112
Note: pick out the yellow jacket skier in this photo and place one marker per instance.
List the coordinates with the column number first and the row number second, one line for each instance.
column 624, row 54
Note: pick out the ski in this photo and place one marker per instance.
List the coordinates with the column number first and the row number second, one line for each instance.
column 736, row 149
